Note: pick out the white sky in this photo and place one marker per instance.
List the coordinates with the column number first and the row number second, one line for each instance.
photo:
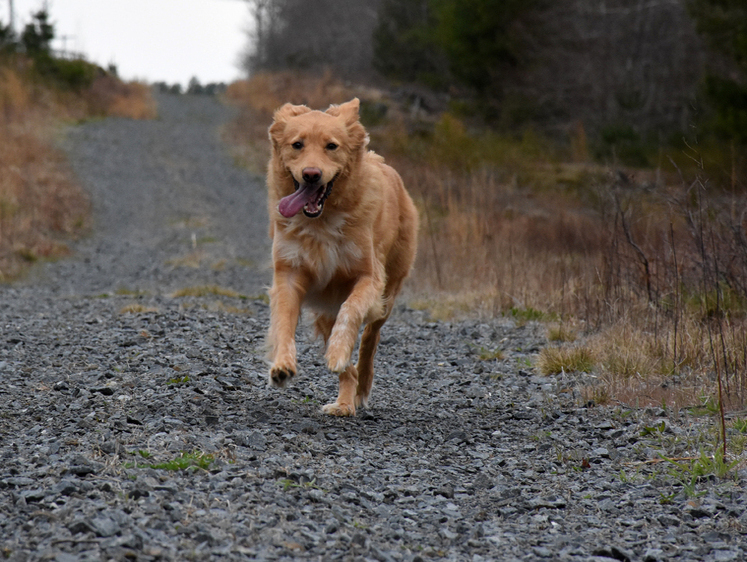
column 152, row 40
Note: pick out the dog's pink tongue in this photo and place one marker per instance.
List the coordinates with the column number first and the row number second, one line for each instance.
column 292, row 204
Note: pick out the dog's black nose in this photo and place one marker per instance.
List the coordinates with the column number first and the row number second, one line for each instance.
column 311, row 175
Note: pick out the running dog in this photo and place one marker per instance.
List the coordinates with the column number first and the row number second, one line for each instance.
column 344, row 235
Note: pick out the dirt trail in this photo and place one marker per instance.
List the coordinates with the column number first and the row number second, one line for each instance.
column 136, row 425
column 170, row 207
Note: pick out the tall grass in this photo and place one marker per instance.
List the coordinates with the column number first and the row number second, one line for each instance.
column 650, row 266
column 655, row 277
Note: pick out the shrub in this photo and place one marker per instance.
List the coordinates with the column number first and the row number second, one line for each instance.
column 555, row 360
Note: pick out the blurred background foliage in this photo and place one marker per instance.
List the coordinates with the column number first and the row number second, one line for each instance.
column 634, row 75
column 723, row 24
column 41, row 205
column 581, row 162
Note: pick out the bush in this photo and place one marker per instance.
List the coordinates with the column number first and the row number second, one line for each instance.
column 7, row 40
column 622, row 144
column 75, row 75
column 730, row 104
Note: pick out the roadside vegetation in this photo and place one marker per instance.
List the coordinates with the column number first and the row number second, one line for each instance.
column 41, row 206
column 649, row 264
column 629, row 242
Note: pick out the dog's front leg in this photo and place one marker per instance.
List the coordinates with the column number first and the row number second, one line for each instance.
column 365, row 297
column 286, row 296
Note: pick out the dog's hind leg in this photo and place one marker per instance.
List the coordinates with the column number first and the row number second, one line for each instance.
column 323, row 325
column 345, row 403
column 369, row 343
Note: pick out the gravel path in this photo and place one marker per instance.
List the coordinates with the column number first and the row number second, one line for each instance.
column 112, row 385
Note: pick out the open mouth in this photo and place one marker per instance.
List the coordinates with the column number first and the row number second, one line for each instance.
column 309, row 198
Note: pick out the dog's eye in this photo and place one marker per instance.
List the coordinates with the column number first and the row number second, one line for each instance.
column 298, row 145
column 331, row 146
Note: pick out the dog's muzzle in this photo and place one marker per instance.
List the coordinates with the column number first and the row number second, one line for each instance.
column 309, row 198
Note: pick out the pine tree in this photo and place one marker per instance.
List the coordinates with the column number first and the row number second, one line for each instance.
column 37, row 36
column 723, row 23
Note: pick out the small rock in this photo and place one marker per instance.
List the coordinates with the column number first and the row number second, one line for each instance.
column 614, row 552
column 65, row 487
column 80, row 526
column 600, row 452
column 35, row 495
column 547, row 502
column 542, row 552
column 252, row 440
column 448, row 534
column 653, row 555
column 458, row 436
column 309, row 428
column 105, row 390
column 19, row 481
column 104, row 526
column 726, row 555
column 669, row 521
column 358, row 539
column 81, row 466
column 227, row 384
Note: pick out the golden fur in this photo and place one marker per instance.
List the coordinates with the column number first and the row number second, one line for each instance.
column 342, row 249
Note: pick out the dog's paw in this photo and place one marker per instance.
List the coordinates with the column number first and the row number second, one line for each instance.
column 361, row 400
column 280, row 376
column 337, row 409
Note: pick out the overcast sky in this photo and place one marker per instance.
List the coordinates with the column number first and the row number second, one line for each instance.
column 153, row 40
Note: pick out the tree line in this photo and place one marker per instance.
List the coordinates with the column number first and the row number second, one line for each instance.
column 647, row 68
column 34, row 43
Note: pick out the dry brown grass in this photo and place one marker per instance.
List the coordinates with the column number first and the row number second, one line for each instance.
column 561, row 333
column 267, row 91
column 554, row 360
column 206, row 290
column 137, row 308
column 41, row 206
column 506, row 250
column 110, row 97
column 649, row 269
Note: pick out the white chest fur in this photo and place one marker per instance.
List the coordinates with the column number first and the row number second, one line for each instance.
column 321, row 248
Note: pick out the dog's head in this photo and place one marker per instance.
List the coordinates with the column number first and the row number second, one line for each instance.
column 315, row 148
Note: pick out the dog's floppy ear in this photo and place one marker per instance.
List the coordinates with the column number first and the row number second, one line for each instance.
column 349, row 113
column 281, row 118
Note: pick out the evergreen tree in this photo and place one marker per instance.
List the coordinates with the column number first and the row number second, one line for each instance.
column 481, row 38
column 404, row 43
column 7, row 39
column 436, row 42
column 37, row 36
column 723, row 23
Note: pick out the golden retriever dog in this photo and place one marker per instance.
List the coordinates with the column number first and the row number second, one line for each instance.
column 344, row 233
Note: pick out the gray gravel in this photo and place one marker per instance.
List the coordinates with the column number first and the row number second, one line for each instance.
column 457, row 458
